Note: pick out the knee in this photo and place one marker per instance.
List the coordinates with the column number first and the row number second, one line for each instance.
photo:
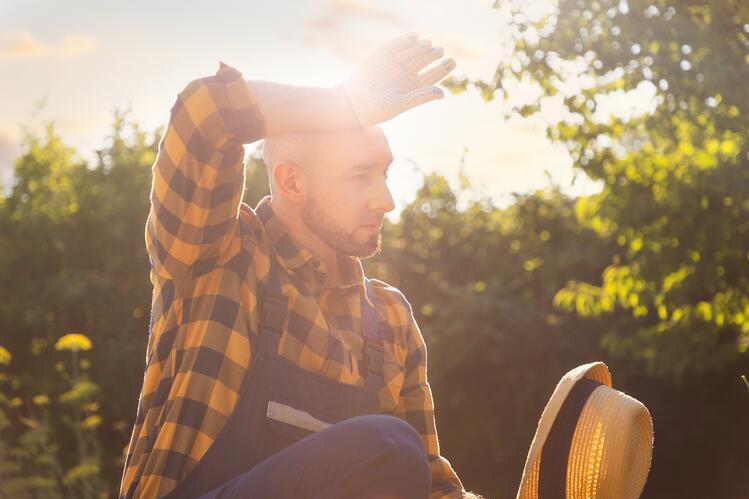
column 406, row 447
column 393, row 431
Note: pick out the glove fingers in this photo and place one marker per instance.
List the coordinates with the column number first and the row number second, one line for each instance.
column 436, row 73
column 424, row 60
column 413, row 52
column 421, row 96
column 399, row 43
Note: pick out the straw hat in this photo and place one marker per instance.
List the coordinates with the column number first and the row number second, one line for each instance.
column 592, row 441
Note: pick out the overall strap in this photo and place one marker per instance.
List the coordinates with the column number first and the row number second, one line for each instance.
column 274, row 310
column 373, row 349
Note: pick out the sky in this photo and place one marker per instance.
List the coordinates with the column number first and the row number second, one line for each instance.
column 77, row 61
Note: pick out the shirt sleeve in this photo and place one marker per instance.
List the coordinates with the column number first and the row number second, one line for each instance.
column 198, row 175
column 416, row 406
column 198, row 179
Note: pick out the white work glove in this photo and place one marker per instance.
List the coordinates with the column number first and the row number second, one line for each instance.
column 388, row 82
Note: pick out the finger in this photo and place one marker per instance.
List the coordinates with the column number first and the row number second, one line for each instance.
column 421, row 48
column 421, row 96
column 424, row 60
column 400, row 43
column 436, row 73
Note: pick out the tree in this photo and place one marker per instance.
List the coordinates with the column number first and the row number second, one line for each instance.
column 73, row 259
column 676, row 176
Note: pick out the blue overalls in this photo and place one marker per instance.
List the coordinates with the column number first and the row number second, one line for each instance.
column 280, row 403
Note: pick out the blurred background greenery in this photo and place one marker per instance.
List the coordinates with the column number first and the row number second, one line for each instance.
column 651, row 275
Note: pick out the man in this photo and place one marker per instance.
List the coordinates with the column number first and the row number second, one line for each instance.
column 274, row 367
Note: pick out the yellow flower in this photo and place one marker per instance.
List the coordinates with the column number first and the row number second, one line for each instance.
column 74, row 342
column 84, row 363
column 5, row 356
column 120, row 425
column 91, row 407
column 91, row 421
column 90, row 467
column 15, row 402
column 81, row 391
column 40, row 399
column 38, row 345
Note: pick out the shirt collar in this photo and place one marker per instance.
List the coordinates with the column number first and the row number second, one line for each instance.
column 298, row 259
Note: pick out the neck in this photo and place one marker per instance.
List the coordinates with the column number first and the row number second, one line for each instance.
column 309, row 240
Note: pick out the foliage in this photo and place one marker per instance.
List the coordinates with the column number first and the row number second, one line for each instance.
column 72, row 258
column 31, row 461
column 675, row 165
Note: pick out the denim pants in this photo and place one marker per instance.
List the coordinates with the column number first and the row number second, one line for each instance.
column 367, row 457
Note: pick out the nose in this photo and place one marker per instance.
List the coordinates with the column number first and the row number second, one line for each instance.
column 381, row 200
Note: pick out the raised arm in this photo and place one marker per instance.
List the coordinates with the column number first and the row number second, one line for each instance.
column 198, row 175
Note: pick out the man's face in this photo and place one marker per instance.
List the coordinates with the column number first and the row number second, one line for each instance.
column 348, row 195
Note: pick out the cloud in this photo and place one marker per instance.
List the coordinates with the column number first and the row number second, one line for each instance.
column 24, row 45
column 336, row 28
column 358, row 9
column 351, row 29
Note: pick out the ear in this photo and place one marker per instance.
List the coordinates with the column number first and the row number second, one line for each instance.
column 290, row 182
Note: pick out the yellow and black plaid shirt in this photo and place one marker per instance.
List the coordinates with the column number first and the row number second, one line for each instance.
column 209, row 254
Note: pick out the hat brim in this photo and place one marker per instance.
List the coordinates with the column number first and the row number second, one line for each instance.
column 596, row 371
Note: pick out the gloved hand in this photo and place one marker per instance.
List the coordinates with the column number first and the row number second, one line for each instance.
column 388, row 82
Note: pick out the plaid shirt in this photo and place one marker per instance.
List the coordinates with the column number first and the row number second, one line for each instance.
column 209, row 253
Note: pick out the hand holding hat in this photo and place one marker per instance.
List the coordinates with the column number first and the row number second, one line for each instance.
column 388, row 82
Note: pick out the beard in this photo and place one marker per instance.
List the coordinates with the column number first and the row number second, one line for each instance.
column 332, row 234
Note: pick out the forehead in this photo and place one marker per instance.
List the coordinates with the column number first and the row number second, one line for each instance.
column 357, row 146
